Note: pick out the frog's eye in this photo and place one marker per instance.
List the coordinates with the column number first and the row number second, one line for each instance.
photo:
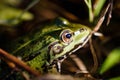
column 66, row 36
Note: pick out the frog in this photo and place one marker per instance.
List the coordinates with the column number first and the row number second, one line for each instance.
column 50, row 44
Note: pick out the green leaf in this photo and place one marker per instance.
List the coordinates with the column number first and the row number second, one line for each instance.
column 99, row 5
column 116, row 78
column 13, row 16
column 112, row 59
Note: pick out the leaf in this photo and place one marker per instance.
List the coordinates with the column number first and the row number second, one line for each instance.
column 13, row 16
column 112, row 59
column 116, row 78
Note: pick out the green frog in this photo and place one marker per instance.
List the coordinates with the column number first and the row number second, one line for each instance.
column 50, row 44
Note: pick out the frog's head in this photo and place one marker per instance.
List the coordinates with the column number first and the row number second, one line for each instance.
column 70, row 38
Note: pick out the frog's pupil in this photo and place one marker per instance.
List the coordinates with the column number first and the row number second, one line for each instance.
column 68, row 35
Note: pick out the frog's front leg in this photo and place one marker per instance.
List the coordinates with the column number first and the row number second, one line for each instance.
column 59, row 62
column 58, row 66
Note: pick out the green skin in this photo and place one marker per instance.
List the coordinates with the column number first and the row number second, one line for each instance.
column 50, row 43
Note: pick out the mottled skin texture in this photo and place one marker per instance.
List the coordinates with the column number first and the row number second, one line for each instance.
column 34, row 50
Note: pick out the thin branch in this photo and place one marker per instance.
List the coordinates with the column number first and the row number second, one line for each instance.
column 80, row 64
column 82, row 67
column 97, row 27
column 95, row 60
column 110, row 12
column 18, row 62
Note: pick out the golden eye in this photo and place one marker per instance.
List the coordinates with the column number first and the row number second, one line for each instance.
column 66, row 36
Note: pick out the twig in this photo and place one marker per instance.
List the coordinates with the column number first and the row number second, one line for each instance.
column 95, row 60
column 97, row 27
column 110, row 12
column 18, row 62
column 79, row 63
column 82, row 67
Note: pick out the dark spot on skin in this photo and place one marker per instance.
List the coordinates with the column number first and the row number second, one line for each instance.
column 60, row 58
column 67, row 54
column 30, row 57
column 82, row 29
